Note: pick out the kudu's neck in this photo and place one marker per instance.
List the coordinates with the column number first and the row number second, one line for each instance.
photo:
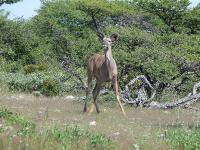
column 108, row 54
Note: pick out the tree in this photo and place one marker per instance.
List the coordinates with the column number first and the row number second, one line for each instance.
column 100, row 11
column 8, row 1
column 16, row 39
column 171, row 12
column 192, row 20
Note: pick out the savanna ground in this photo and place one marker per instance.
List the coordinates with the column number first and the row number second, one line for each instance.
column 141, row 129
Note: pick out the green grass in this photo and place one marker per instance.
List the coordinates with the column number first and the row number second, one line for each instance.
column 24, row 126
column 72, row 137
column 17, row 132
column 188, row 139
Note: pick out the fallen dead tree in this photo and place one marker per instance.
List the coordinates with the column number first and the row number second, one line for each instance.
column 190, row 67
column 185, row 102
column 143, row 100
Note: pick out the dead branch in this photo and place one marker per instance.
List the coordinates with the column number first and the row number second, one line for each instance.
column 190, row 67
column 196, row 86
column 142, row 97
column 66, row 66
column 185, row 102
column 2, row 53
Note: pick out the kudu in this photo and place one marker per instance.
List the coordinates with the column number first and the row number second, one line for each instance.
column 104, row 69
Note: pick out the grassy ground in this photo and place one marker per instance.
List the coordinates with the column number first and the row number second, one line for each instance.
column 142, row 129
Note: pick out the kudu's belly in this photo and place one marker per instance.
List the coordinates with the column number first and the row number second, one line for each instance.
column 101, row 69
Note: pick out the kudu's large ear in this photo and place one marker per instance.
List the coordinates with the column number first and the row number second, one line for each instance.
column 114, row 37
column 100, row 35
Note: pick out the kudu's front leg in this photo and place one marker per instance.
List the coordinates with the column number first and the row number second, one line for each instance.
column 95, row 93
column 116, row 88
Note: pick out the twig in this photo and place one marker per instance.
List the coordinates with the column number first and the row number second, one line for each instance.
column 67, row 68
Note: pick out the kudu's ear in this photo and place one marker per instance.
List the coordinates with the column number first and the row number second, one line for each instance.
column 114, row 37
column 100, row 35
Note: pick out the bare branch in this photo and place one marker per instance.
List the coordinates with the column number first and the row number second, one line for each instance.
column 190, row 67
column 185, row 102
column 196, row 86
column 142, row 97
column 2, row 52
column 65, row 64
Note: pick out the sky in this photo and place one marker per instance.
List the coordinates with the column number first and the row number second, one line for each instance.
column 26, row 8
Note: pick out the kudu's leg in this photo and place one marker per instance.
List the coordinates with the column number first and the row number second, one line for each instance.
column 95, row 93
column 87, row 93
column 115, row 85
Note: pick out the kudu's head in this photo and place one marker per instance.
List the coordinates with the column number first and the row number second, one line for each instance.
column 107, row 41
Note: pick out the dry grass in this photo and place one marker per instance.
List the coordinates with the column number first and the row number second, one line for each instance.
column 143, row 127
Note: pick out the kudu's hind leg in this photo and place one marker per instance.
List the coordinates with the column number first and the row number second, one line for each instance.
column 95, row 93
column 116, row 88
column 87, row 94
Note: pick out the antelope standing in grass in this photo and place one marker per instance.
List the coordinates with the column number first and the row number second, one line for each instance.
column 104, row 69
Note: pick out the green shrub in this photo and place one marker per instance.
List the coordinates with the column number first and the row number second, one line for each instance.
column 34, row 68
column 48, row 83
column 50, row 87
column 10, row 66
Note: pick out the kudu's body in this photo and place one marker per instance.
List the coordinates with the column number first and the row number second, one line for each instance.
column 104, row 69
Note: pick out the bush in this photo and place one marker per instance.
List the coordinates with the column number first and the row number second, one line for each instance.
column 9, row 66
column 158, row 56
column 48, row 83
column 34, row 68
column 50, row 87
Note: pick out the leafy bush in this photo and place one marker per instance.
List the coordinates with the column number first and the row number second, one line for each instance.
column 9, row 66
column 49, row 84
column 158, row 56
column 34, row 68
column 50, row 87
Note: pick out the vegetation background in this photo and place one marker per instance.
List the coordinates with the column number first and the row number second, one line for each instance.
column 159, row 39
